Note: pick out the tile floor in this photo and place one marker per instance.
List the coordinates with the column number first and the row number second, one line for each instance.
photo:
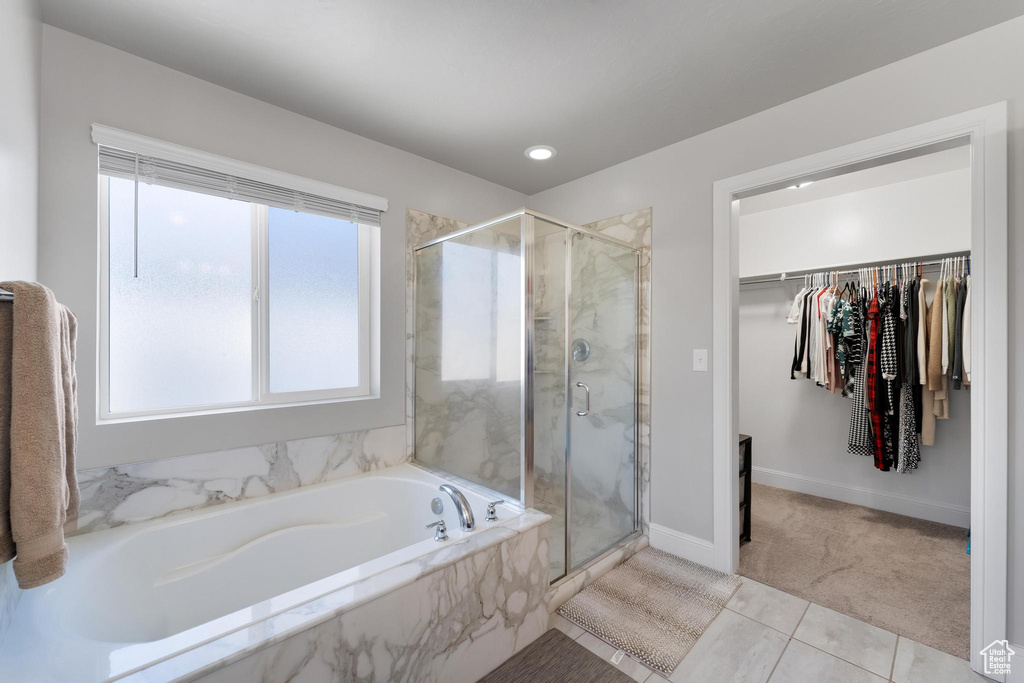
column 765, row 635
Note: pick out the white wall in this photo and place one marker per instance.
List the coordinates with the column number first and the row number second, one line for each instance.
column 20, row 37
column 677, row 181
column 85, row 82
column 901, row 221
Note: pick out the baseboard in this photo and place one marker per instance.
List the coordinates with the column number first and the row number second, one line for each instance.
column 682, row 545
column 933, row 511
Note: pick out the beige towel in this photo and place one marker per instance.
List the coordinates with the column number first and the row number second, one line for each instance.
column 6, row 540
column 43, row 434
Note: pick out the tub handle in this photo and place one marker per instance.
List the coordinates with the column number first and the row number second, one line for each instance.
column 492, row 516
column 441, row 534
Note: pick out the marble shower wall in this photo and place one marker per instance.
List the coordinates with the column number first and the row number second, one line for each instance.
column 420, row 227
column 455, row 624
column 112, row 496
column 468, row 356
column 635, row 228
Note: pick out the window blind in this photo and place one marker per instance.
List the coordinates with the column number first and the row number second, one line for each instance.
column 155, row 170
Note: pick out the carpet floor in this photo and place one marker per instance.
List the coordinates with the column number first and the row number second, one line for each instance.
column 555, row 658
column 906, row 575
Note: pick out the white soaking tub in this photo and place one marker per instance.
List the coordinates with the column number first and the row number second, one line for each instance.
column 140, row 594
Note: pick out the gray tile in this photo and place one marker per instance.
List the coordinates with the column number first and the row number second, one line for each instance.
column 565, row 626
column 628, row 665
column 858, row 642
column 802, row 663
column 917, row 663
column 733, row 648
column 768, row 605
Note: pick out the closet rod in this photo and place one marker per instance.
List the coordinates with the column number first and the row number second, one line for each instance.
column 6, row 296
column 849, row 269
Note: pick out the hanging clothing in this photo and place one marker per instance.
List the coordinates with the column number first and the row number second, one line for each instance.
column 859, row 441
column 926, row 424
column 876, row 387
column 966, row 331
column 958, row 349
column 922, row 331
column 889, row 358
column 949, row 322
column 935, row 339
column 796, row 315
column 909, row 454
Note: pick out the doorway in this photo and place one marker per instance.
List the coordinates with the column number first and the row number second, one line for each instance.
column 984, row 131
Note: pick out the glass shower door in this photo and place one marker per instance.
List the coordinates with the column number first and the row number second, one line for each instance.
column 602, row 383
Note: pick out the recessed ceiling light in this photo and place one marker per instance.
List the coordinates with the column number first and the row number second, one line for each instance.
column 540, row 152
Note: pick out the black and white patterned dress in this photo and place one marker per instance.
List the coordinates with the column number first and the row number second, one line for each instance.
column 860, row 441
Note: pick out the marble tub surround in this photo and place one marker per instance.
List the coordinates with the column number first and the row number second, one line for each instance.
column 192, row 593
column 112, row 496
column 576, row 581
column 454, row 616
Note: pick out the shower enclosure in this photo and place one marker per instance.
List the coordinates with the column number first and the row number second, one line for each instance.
column 526, row 373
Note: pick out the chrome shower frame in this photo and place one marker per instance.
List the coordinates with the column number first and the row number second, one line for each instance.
column 527, row 370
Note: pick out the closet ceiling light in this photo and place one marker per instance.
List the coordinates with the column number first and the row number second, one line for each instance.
column 540, row 152
column 799, row 185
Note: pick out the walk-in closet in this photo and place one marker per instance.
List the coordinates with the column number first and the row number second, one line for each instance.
column 854, row 339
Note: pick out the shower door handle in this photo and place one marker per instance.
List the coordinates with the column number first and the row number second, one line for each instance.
column 584, row 413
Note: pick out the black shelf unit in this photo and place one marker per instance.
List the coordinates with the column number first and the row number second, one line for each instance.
column 746, row 463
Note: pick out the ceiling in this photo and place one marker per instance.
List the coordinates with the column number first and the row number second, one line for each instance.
column 946, row 161
column 471, row 84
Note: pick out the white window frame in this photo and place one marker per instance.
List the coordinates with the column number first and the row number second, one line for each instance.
column 261, row 396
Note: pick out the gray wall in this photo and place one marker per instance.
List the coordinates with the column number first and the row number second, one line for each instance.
column 20, row 37
column 85, row 82
column 677, row 182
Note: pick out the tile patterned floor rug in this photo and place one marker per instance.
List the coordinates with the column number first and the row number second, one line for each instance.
column 653, row 606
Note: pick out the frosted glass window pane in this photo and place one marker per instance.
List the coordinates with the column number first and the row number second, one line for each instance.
column 466, row 305
column 314, row 302
column 181, row 332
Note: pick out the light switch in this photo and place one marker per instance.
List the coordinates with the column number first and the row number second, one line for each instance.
column 700, row 360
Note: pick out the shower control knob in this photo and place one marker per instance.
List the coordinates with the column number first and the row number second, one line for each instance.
column 492, row 515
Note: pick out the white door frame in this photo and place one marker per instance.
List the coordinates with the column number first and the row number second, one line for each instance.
column 986, row 129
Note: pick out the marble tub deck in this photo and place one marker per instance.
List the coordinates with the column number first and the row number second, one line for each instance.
column 767, row 636
column 519, row 546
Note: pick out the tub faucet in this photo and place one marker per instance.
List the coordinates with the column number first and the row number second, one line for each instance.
column 466, row 522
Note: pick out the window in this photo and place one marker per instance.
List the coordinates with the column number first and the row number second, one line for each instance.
column 212, row 300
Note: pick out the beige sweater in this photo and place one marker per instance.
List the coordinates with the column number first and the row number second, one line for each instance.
column 38, row 459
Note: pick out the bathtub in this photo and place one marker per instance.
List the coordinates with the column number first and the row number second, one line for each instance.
column 225, row 581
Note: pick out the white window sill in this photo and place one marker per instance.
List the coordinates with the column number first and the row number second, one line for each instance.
column 122, row 418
